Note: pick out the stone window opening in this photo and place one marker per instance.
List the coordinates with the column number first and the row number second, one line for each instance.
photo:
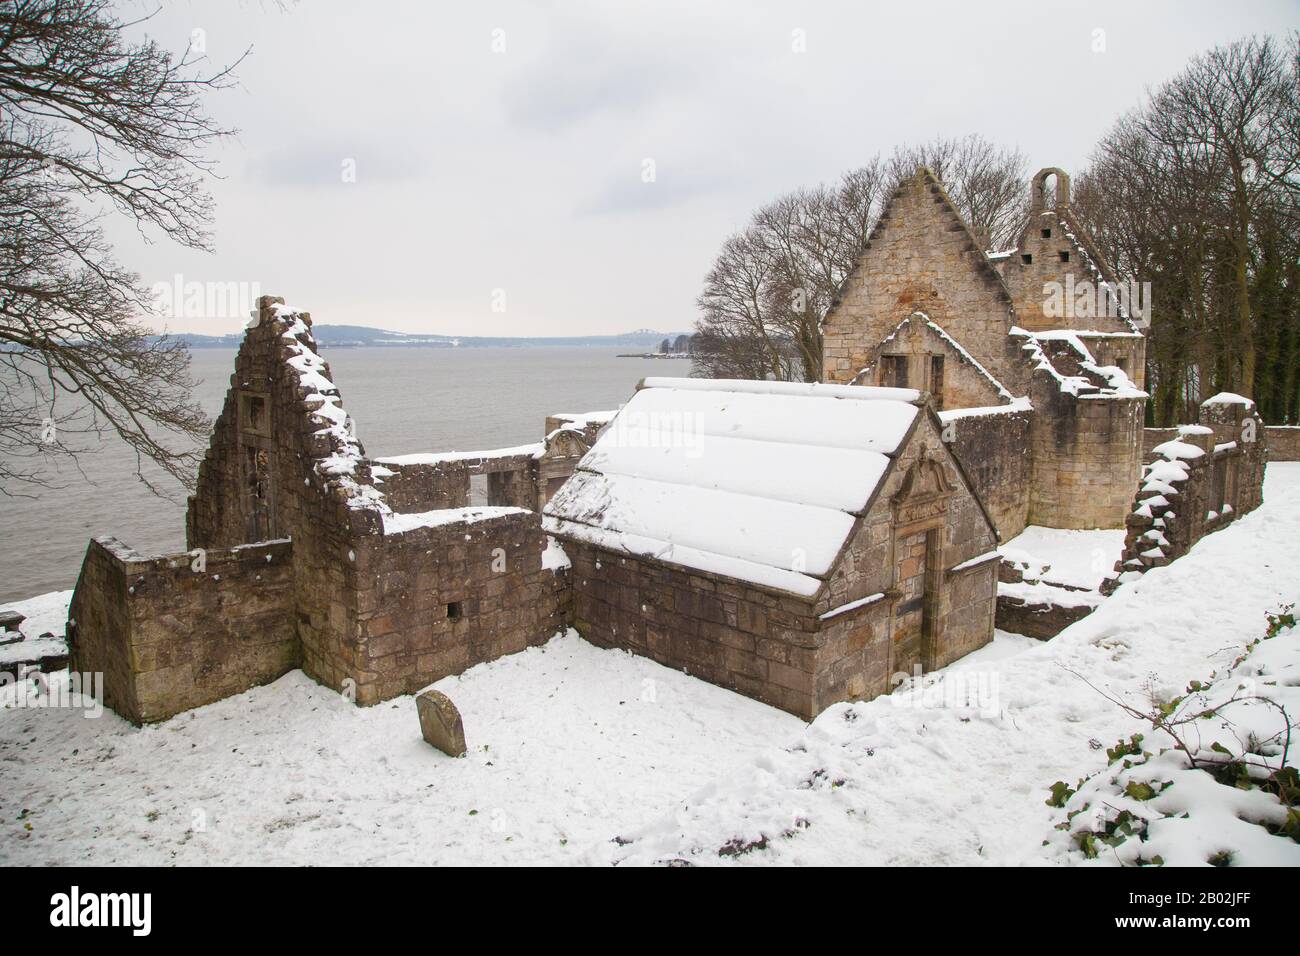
column 260, row 523
column 255, row 415
column 936, row 381
column 478, row 490
column 893, row 371
column 1047, row 234
column 1065, row 256
column 1027, row 259
column 454, row 611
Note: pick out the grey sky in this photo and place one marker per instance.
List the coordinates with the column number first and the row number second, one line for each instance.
column 521, row 170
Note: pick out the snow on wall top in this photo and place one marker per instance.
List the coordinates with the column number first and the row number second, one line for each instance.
column 444, row 457
column 342, row 466
column 583, row 418
column 761, row 482
column 1229, row 398
column 1118, row 384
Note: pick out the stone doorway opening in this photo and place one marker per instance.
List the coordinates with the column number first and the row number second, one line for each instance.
column 916, row 611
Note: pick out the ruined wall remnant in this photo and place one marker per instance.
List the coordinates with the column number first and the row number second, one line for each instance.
column 920, row 256
column 308, row 562
column 1194, row 484
column 174, row 632
column 1283, row 442
column 457, row 588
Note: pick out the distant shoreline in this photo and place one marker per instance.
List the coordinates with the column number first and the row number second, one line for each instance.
column 654, row 355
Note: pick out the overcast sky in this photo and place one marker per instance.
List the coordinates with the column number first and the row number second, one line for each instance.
column 518, row 173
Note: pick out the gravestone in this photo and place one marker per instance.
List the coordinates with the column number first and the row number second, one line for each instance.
column 440, row 722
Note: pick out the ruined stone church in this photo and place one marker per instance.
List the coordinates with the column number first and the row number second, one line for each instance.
column 799, row 543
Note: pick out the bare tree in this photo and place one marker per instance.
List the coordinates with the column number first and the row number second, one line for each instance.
column 1197, row 191
column 93, row 125
column 771, row 285
column 987, row 182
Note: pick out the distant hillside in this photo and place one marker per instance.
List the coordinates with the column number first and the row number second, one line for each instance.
column 341, row 336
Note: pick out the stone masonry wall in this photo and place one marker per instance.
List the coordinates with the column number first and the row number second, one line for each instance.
column 310, row 477
column 434, row 601
column 859, row 651
column 1203, row 479
column 756, row 642
column 994, row 449
column 963, row 386
column 1283, row 442
column 919, row 256
column 1037, row 261
column 168, row 637
column 423, row 487
column 1087, row 454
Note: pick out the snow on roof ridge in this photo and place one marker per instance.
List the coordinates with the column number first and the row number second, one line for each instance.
column 789, row 389
column 743, row 478
column 576, row 417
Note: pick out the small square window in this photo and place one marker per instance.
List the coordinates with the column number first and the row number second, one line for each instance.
column 1047, row 234
column 453, row 611
column 1065, row 257
column 1027, row 259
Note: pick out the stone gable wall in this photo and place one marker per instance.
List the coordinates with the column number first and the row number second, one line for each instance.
column 859, row 653
column 964, row 386
column 311, row 497
column 1027, row 279
column 919, row 257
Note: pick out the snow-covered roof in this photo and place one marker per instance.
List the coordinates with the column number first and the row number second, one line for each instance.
column 758, row 481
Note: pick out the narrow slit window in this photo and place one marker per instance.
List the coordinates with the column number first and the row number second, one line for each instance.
column 936, row 381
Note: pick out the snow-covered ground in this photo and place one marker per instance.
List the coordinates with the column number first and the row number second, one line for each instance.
column 581, row 755
column 47, row 614
column 1075, row 558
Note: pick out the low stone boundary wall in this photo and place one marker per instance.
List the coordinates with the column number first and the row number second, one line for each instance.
column 1039, row 621
column 1283, row 442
